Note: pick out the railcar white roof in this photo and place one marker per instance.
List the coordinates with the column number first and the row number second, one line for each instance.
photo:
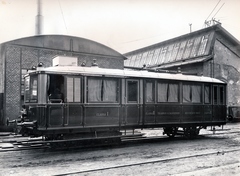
column 125, row 73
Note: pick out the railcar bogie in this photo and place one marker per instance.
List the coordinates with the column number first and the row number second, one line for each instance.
column 93, row 102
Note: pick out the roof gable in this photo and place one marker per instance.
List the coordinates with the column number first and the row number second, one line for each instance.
column 180, row 49
column 67, row 43
column 193, row 47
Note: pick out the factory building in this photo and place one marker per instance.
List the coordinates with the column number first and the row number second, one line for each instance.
column 212, row 52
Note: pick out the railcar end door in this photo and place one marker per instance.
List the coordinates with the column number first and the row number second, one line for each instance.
column 132, row 102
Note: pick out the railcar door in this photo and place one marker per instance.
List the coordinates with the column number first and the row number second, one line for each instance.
column 149, row 102
column 132, row 108
column 55, row 100
column 73, row 107
column 219, row 103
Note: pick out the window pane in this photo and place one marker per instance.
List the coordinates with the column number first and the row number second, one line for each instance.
column 173, row 93
column 221, row 95
column 186, row 93
column 207, row 94
column 77, row 89
column 110, row 90
column 162, row 92
column 215, row 93
column 27, row 89
column 149, row 92
column 132, row 91
column 196, row 93
column 33, row 88
column 70, row 89
column 94, row 89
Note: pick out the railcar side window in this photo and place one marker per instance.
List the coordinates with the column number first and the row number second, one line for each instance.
column 102, row 90
column 150, row 90
column 215, row 95
column 73, row 89
column 168, row 92
column 56, row 88
column 132, row 87
column 31, row 89
column 192, row 93
column 221, row 96
column 207, row 94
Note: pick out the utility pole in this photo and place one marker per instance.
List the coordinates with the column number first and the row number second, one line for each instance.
column 39, row 18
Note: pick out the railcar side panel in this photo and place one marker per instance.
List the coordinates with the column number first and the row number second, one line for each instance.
column 219, row 113
column 207, row 113
column 132, row 115
column 168, row 113
column 192, row 113
column 101, row 116
column 55, row 115
column 73, row 115
column 149, row 114
column 42, row 116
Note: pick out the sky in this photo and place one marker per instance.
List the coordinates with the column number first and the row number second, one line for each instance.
column 124, row 25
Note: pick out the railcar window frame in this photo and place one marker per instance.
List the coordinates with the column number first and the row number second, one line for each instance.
column 130, row 92
column 169, row 91
column 191, row 94
column 219, row 95
column 222, row 98
column 207, row 95
column 215, row 94
column 105, row 85
column 75, row 95
column 150, row 94
column 31, row 89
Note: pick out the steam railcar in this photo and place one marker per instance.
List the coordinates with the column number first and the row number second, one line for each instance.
column 91, row 101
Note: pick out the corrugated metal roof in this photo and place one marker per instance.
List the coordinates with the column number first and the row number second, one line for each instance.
column 185, row 62
column 125, row 73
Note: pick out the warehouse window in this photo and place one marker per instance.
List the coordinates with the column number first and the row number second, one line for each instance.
column 192, row 93
column 168, row 92
column 102, row 90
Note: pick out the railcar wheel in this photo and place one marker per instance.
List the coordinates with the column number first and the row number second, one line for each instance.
column 170, row 131
column 191, row 132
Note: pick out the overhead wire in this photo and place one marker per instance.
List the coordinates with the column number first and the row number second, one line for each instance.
column 218, row 10
column 62, row 15
column 213, row 10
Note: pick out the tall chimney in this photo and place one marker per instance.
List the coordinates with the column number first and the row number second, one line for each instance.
column 39, row 18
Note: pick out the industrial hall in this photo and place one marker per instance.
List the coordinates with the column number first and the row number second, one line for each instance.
column 211, row 52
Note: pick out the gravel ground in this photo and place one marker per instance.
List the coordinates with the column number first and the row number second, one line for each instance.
column 207, row 155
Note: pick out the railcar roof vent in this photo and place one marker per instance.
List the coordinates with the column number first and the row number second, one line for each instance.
column 65, row 61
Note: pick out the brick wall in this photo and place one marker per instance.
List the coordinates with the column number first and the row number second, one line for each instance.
column 12, row 82
column 22, row 57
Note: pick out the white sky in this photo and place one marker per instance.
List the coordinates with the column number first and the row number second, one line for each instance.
column 123, row 25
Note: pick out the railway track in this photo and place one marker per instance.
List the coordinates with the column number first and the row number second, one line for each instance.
column 149, row 162
column 18, row 143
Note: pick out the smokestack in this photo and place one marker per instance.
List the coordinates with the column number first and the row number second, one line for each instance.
column 39, row 18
